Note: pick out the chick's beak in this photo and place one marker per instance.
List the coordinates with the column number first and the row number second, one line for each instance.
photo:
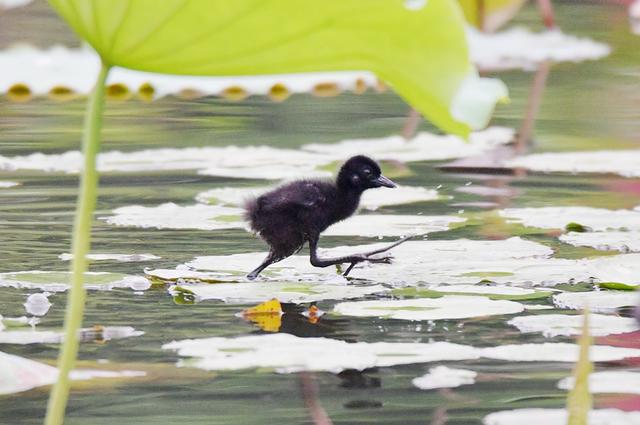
column 383, row 181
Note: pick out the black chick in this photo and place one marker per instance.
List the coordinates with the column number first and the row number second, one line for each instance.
column 297, row 212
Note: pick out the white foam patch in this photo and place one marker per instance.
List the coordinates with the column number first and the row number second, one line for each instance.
column 59, row 281
column 287, row 353
column 596, row 301
column 18, row 374
column 460, row 261
column 551, row 325
column 556, row 352
column 623, row 162
column 611, row 382
column 519, row 48
column 5, row 184
column 598, row 219
column 33, row 336
column 423, row 147
column 444, row 377
column 287, row 292
column 124, row 258
column 560, row 417
column 173, row 216
column 378, row 225
column 605, row 241
column 446, row 307
column 371, row 199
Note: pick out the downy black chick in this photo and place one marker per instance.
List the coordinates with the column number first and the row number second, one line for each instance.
column 297, row 212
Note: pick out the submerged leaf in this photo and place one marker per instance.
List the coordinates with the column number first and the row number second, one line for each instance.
column 422, row 51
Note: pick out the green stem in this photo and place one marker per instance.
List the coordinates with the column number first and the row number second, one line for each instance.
column 80, row 248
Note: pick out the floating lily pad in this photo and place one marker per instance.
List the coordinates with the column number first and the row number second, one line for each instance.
column 560, row 417
column 494, row 292
column 423, row 147
column 233, row 161
column 623, row 268
column 125, row 258
column 444, row 377
column 605, row 241
column 58, row 281
column 598, row 219
column 172, row 216
column 596, row 301
column 556, row 352
column 376, row 225
column 287, row 353
column 613, row 382
column 447, row 307
column 623, row 162
column 519, row 48
column 286, row 292
column 371, row 199
column 461, row 261
column 551, row 325
column 98, row 333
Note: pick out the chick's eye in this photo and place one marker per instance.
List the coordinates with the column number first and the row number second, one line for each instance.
column 367, row 172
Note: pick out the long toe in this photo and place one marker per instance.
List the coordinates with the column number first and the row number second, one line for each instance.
column 386, row 259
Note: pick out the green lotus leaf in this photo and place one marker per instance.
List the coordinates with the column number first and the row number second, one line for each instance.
column 419, row 48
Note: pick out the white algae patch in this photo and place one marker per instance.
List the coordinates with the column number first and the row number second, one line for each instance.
column 624, row 162
column 99, row 333
column 18, row 374
column 556, row 352
column 597, row 301
column 173, row 216
column 124, row 258
column 423, row 147
column 446, row 307
column 444, row 377
column 613, row 382
column 374, row 225
column 551, row 325
column 371, row 199
column 287, row 353
column 59, row 281
column 287, row 292
column 605, row 241
column 598, row 219
column 519, row 48
column 560, row 417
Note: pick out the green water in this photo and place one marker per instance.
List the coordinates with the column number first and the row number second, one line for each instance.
column 593, row 105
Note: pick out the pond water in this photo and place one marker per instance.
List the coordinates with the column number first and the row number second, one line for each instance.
column 587, row 106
